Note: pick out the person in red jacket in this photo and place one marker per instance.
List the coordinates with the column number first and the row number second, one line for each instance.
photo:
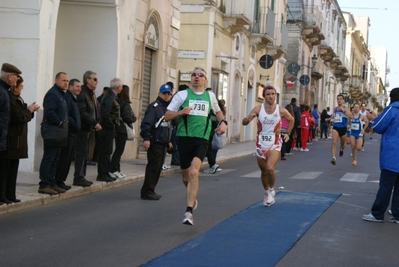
column 306, row 120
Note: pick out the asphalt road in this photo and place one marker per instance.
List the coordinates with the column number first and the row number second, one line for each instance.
column 116, row 228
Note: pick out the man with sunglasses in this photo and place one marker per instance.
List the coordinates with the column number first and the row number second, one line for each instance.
column 89, row 114
column 156, row 133
column 8, row 78
column 192, row 109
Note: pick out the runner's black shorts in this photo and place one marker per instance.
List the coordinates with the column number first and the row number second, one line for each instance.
column 190, row 148
column 341, row 131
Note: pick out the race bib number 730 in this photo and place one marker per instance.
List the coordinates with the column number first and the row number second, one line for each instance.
column 199, row 107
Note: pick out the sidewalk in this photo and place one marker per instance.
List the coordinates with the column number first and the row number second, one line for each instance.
column 28, row 182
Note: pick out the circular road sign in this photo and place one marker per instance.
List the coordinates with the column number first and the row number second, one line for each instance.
column 304, row 79
column 293, row 68
column 289, row 82
column 266, row 61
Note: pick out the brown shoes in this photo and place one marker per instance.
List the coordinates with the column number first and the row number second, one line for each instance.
column 58, row 189
column 55, row 190
column 47, row 190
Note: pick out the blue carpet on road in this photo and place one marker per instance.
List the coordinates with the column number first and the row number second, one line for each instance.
column 256, row 236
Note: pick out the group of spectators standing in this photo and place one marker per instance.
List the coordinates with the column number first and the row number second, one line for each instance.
column 305, row 127
column 72, row 109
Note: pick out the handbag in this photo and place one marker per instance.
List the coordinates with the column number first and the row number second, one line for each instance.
column 54, row 135
column 217, row 141
column 130, row 132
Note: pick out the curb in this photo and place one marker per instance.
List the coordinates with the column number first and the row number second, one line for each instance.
column 30, row 200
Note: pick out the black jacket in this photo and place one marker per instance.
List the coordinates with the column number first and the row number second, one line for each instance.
column 149, row 132
column 87, row 108
column 297, row 114
column 127, row 116
column 4, row 113
column 110, row 111
column 18, row 130
column 73, row 112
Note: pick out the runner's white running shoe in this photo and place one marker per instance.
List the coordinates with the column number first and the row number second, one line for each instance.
column 188, row 218
column 269, row 199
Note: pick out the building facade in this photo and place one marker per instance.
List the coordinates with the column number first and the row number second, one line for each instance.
column 134, row 40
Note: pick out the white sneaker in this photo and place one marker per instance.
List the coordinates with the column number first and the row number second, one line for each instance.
column 209, row 171
column 393, row 220
column 122, row 174
column 188, row 218
column 116, row 175
column 371, row 218
column 214, row 168
column 304, row 149
column 269, row 199
column 165, row 168
column 219, row 170
column 295, row 149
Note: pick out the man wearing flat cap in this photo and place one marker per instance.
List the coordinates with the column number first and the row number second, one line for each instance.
column 8, row 78
column 387, row 124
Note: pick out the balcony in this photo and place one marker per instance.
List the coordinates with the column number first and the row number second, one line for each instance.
column 326, row 51
column 356, row 81
column 262, row 31
column 312, row 34
column 234, row 17
column 281, row 41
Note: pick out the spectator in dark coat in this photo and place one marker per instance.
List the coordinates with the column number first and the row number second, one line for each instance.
column 89, row 113
column 128, row 117
column 55, row 112
column 8, row 78
column 74, row 126
column 297, row 117
column 20, row 115
column 110, row 119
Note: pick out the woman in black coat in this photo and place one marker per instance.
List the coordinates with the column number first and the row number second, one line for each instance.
column 128, row 117
column 20, row 115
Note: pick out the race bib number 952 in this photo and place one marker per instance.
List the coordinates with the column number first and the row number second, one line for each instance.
column 199, row 107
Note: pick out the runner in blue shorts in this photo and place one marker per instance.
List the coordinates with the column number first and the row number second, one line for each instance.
column 340, row 119
column 357, row 131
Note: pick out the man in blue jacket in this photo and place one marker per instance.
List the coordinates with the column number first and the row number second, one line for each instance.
column 155, row 132
column 387, row 124
column 55, row 112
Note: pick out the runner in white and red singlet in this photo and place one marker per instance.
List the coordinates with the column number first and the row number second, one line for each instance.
column 269, row 138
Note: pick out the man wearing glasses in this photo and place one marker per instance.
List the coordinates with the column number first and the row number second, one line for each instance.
column 89, row 113
column 192, row 108
column 8, row 78
column 156, row 133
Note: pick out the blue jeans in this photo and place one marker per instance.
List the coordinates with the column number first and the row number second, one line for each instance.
column 324, row 129
column 51, row 156
column 388, row 180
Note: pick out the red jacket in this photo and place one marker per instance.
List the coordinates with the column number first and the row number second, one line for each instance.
column 306, row 120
